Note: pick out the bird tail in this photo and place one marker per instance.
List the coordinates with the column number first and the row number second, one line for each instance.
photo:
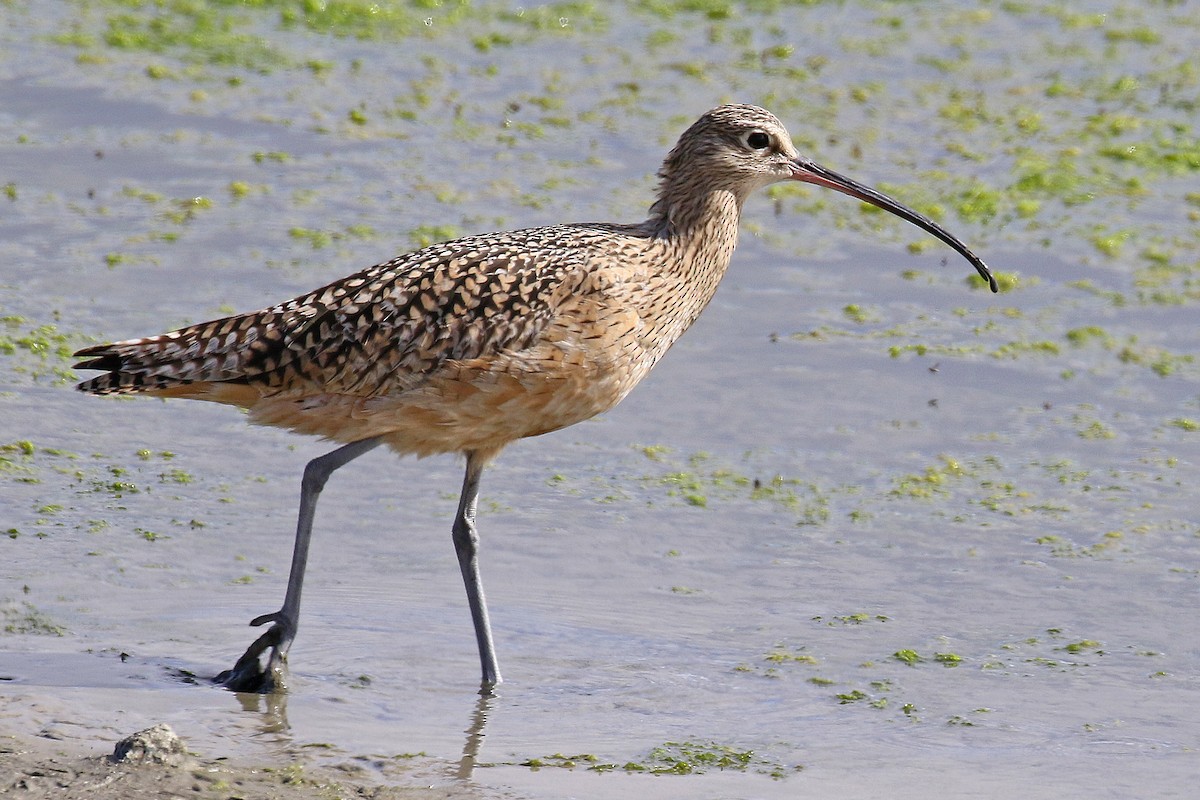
column 131, row 366
column 180, row 363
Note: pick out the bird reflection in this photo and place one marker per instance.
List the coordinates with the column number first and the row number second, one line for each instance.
column 470, row 754
column 272, row 707
column 271, row 710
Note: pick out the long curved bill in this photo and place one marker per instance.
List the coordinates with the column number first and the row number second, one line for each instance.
column 809, row 172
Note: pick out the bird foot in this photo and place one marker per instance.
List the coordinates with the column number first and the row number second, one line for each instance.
column 250, row 674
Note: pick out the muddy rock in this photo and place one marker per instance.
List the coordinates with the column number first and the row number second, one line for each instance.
column 156, row 745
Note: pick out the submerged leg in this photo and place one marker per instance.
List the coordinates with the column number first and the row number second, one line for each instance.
column 466, row 545
column 248, row 674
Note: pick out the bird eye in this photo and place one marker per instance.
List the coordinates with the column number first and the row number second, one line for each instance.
column 757, row 140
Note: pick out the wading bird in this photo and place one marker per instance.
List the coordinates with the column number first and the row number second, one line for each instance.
column 468, row 345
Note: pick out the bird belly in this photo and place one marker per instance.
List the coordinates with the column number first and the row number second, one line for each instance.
column 472, row 405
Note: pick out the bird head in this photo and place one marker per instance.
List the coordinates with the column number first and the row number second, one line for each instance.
column 742, row 148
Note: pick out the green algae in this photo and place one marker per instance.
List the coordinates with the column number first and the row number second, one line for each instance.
column 226, row 33
column 704, row 482
column 319, row 239
column 425, row 235
column 787, row 655
column 932, row 482
column 1005, row 281
column 696, row 757
column 207, row 32
column 857, row 314
column 26, row 619
column 37, row 352
column 685, row 757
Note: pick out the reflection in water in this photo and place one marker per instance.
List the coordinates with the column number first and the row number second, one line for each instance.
column 483, row 708
column 273, row 708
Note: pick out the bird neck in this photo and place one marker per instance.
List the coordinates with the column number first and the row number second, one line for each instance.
column 694, row 233
column 700, row 223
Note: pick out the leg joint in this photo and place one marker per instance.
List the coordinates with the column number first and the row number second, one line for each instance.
column 466, row 536
column 316, row 475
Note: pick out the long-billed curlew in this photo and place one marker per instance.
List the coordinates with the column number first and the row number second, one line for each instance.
column 471, row 344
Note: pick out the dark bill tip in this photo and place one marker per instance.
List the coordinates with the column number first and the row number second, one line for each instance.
column 809, row 172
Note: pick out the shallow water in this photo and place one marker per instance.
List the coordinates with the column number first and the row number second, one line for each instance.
column 1013, row 506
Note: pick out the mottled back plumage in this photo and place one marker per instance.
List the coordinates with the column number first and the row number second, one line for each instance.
column 385, row 329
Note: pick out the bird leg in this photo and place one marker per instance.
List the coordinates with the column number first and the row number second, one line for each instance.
column 249, row 674
column 466, row 545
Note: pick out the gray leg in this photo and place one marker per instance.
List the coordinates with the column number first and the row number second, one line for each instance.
column 466, row 545
column 248, row 675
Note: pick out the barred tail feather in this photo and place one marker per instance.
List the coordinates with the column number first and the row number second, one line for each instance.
column 180, row 363
column 132, row 367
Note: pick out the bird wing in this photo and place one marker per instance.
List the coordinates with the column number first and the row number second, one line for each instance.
column 387, row 328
